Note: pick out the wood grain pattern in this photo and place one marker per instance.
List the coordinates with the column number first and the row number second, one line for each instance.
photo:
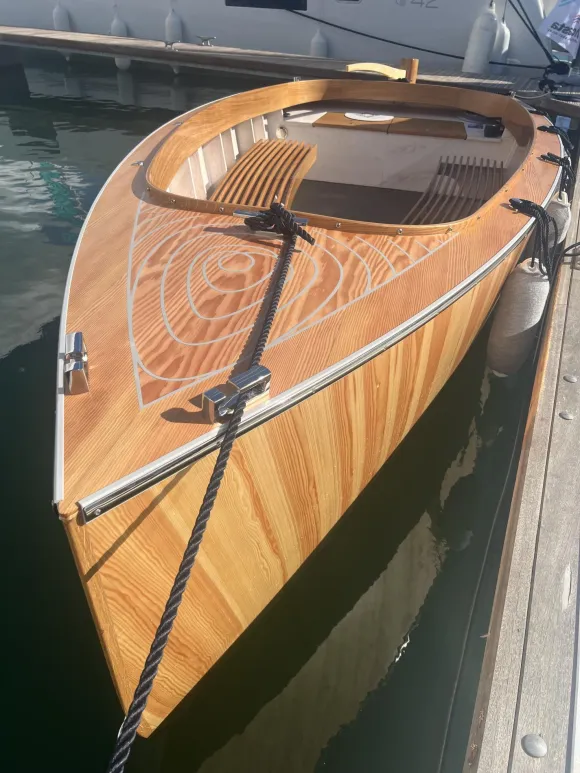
column 180, row 291
column 419, row 127
column 342, row 121
column 270, row 171
column 141, row 267
column 411, row 67
column 428, row 127
column 276, row 504
column 527, row 673
column 224, row 114
column 457, row 189
column 393, row 73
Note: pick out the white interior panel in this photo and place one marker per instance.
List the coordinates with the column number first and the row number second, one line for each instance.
column 182, row 184
column 378, row 159
column 245, row 135
column 273, row 121
column 199, row 174
column 229, row 147
column 259, row 128
column 215, row 162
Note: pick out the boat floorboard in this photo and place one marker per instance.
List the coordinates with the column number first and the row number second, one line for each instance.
column 527, row 683
column 360, row 202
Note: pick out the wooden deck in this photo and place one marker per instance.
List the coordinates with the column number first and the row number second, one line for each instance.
column 527, row 691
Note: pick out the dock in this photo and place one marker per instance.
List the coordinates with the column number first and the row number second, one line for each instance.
column 522, row 82
column 527, row 712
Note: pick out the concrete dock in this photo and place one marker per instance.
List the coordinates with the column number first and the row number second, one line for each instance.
column 522, row 82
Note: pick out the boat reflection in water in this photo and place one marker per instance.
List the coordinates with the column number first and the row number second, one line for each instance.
column 378, row 639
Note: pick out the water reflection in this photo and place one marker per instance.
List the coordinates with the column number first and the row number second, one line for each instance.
column 49, row 175
column 288, row 734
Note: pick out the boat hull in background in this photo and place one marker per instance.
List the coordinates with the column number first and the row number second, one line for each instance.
column 407, row 23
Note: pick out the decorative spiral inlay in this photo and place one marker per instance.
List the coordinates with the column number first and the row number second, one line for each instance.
column 197, row 283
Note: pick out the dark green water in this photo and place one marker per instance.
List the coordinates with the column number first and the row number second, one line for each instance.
column 368, row 660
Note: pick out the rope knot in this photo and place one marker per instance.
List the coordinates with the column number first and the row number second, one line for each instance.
column 278, row 220
column 546, row 236
column 568, row 179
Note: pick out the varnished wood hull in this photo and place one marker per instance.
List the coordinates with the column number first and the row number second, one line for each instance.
column 288, row 482
column 166, row 287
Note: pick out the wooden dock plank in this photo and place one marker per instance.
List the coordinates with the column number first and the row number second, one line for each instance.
column 545, row 691
column 278, row 65
column 527, row 673
column 215, row 57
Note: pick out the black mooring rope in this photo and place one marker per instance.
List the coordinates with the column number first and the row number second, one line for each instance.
column 562, row 133
column 546, row 228
column 279, row 220
column 568, row 178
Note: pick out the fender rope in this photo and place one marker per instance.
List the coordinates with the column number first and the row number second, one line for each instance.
column 541, row 252
column 568, row 179
column 277, row 219
column 562, row 133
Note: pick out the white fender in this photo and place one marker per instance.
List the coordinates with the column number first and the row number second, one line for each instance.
column 173, row 27
column 118, row 26
column 559, row 209
column 319, row 44
column 173, row 30
column 120, row 30
column 517, row 318
column 501, row 46
column 61, row 21
column 481, row 41
column 61, row 18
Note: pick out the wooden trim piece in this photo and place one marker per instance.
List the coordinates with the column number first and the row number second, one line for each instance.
column 393, row 73
column 341, row 121
column 428, row 127
column 411, row 67
column 415, row 127
column 221, row 115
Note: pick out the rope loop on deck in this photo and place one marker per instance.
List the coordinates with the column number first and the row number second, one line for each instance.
column 561, row 133
column 568, row 179
column 280, row 220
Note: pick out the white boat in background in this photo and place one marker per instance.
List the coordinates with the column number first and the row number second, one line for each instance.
column 441, row 26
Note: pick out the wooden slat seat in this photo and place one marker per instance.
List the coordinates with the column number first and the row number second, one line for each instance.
column 457, row 190
column 271, row 170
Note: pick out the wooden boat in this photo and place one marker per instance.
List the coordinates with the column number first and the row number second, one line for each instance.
column 406, row 190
